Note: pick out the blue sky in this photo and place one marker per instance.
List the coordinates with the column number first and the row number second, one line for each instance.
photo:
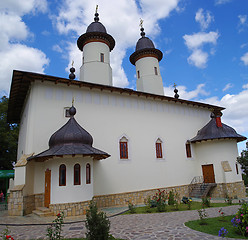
column 204, row 42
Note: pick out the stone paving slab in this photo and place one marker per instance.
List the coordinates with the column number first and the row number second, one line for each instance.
column 159, row 226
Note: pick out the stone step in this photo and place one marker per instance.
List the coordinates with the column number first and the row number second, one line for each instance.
column 42, row 213
column 43, row 209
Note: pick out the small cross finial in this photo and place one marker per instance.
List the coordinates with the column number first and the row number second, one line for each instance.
column 73, row 101
column 96, row 8
column 174, row 85
column 72, row 63
column 141, row 23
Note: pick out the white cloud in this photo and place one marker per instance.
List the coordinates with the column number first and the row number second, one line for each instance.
column 75, row 16
column 14, row 30
column 243, row 23
column 57, row 48
column 242, row 19
column 20, row 57
column 195, row 42
column 23, row 7
column 203, row 19
column 244, row 58
column 228, row 86
column 220, row 2
column 184, row 94
column 198, row 58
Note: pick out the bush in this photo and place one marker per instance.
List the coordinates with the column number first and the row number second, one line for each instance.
column 241, row 220
column 160, row 199
column 206, row 202
column 54, row 231
column 171, row 198
column 131, row 207
column 97, row 224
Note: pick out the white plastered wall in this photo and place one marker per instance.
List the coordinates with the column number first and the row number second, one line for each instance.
column 91, row 62
column 70, row 192
column 107, row 116
column 216, row 151
column 148, row 81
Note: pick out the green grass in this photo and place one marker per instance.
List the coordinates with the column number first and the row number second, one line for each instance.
column 213, row 225
column 182, row 207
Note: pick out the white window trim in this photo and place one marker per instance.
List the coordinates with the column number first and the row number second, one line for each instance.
column 192, row 151
column 128, row 149
column 163, row 149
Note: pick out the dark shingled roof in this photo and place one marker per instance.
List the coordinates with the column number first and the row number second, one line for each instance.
column 145, row 46
column 210, row 132
column 96, row 32
column 70, row 139
column 96, row 27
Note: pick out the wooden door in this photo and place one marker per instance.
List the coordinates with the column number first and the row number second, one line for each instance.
column 47, row 188
column 208, row 173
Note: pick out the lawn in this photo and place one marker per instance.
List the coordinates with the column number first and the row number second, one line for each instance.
column 213, row 225
column 181, row 207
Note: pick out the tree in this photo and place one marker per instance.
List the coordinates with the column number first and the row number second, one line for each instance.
column 243, row 161
column 8, row 137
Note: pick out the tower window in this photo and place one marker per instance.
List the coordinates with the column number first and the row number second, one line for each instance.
column 237, row 169
column 102, row 57
column 77, row 174
column 88, row 173
column 138, row 73
column 156, row 70
column 188, row 150
column 62, row 175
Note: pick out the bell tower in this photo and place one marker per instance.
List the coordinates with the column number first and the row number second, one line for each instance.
column 96, row 45
column 146, row 60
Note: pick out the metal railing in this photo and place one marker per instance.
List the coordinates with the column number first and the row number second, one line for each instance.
column 197, row 179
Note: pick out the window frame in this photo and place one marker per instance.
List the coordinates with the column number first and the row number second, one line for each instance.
column 79, row 174
column 60, row 175
column 159, row 150
column 101, row 57
column 123, row 150
column 188, row 150
column 156, row 71
column 88, row 173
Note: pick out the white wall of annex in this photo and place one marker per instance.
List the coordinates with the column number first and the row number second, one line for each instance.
column 70, row 192
column 107, row 116
column 216, row 151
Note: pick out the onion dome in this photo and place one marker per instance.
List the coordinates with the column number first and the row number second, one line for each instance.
column 145, row 46
column 96, row 32
column 214, row 129
column 71, row 139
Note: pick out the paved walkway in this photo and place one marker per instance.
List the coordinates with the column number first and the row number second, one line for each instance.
column 135, row 227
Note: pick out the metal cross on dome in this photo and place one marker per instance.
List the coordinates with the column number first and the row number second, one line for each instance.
column 141, row 23
column 96, row 8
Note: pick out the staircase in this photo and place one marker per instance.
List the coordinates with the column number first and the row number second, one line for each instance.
column 201, row 190
column 43, row 212
column 198, row 188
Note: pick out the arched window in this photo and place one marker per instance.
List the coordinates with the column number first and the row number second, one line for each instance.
column 123, row 148
column 62, row 175
column 188, row 150
column 77, row 174
column 159, row 151
column 88, row 174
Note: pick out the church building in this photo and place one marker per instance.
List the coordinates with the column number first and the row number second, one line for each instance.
column 114, row 145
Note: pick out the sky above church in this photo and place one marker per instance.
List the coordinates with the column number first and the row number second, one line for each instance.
column 204, row 42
